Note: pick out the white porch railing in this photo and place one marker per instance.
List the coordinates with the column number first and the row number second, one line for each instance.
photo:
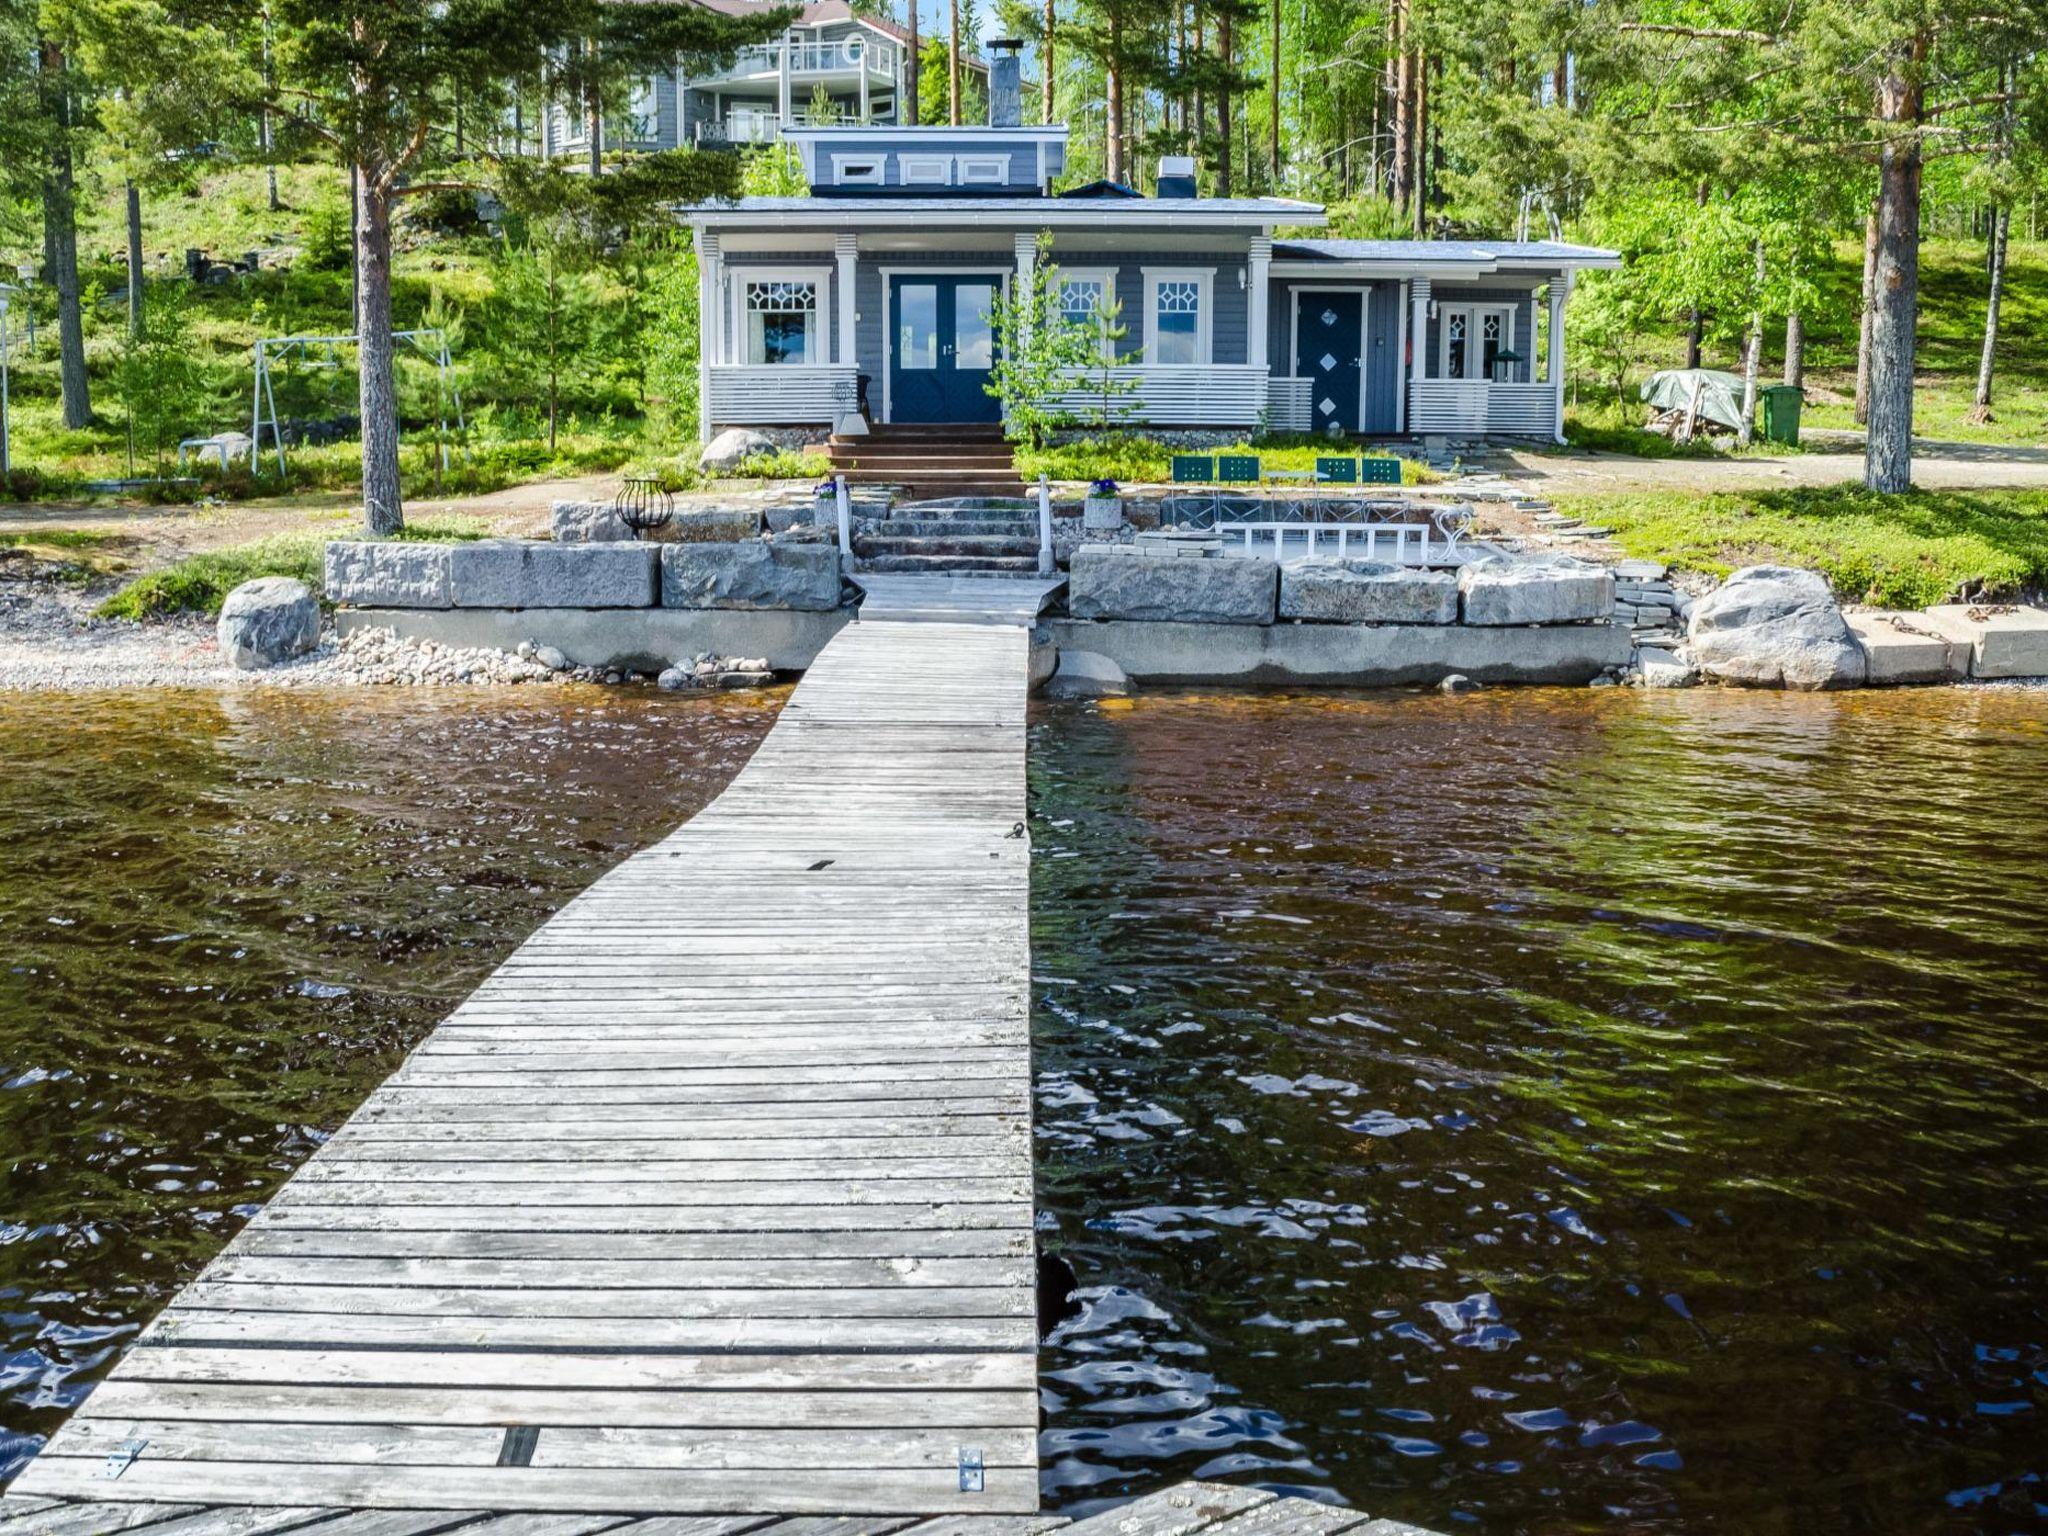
column 1476, row 406
column 1388, row 543
column 788, row 394
column 813, row 59
column 1290, row 405
column 1219, row 395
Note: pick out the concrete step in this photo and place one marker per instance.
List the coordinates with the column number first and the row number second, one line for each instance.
column 962, row 463
column 965, row 544
column 959, row 565
column 900, row 527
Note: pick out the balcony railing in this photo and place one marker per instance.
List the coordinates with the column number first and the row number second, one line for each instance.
column 879, row 56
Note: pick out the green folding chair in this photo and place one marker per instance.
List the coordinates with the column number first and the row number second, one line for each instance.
column 1335, row 471
column 1194, row 469
column 1237, row 469
column 1379, row 471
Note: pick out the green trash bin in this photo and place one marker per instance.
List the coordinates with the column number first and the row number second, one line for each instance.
column 1781, row 413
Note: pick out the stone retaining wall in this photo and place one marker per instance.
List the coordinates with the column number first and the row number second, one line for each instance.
column 518, row 574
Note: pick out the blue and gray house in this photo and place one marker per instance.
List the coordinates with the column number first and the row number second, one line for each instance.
column 877, row 286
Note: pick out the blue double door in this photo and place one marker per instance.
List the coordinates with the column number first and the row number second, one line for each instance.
column 1329, row 350
column 943, row 347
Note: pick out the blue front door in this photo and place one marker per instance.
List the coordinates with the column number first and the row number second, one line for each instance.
column 1329, row 350
column 943, row 344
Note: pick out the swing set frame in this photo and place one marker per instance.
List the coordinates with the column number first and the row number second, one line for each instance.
column 431, row 343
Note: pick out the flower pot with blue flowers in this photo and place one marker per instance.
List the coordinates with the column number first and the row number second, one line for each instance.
column 1102, row 511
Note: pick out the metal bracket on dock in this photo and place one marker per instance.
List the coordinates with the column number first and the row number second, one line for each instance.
column 121, row 1458
column 970, row 1469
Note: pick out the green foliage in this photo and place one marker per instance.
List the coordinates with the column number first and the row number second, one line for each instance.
column 1133, row 458
column 327, row 244
column 158, row 377
column 1897, row 551
column 773, row 170
column 783, row 464
column 1053, row 371
column 670, row 334
column 550, row 323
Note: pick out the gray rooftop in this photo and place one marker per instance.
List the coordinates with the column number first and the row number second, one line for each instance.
column 1279, row 209
column 1478, row 252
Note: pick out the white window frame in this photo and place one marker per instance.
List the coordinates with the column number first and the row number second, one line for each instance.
column 860, row 170
column 1205, row 319
column 996, row 166
column 1103, row 275
column 925, row 170
column 643, row 113
column 823, row 342
column 1473, row 350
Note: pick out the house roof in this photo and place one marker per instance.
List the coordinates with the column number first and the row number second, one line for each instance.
column 1026, row 212
column 1480, row 255
column 819, row 13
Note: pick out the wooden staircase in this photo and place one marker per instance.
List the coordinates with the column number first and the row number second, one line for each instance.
column 929, row 461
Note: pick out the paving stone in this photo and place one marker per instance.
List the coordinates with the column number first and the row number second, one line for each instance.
column 2004, row 640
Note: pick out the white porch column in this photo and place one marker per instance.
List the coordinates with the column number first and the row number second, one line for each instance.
column 1418, row 343
column 782, row 92
column 1560, row 290
column 1027, row 264
column 862, row 61
column 848, row 247
column 710, row 284
column 1258, row 275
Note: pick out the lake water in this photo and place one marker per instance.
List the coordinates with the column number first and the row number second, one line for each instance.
column 1550, row 1111
column 225, row 918
column 1526, row 1112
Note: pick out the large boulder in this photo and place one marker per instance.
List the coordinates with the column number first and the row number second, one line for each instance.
column 388, row 575
column 522, row 573
column 752, row 573
column 266, row 621
column 1769, row 626
column 1087, row 675
column 1365, row 592
column 1502, row 590
column 1116, row 582
column 727, row 451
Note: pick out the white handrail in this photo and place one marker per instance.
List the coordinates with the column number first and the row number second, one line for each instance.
column 845, row 500
column 1411, row 541
column 1044, row 526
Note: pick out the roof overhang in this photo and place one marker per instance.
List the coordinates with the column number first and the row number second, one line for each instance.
column 1003, row 213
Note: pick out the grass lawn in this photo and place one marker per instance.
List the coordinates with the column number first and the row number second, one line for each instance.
column 1894, row 551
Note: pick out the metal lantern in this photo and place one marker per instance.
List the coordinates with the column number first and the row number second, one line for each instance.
column 644, row 504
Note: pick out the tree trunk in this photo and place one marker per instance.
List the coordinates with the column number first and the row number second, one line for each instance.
column 1419, row 151
column 1863, row 327
column 1224, row 49
column 1696, row 321
column 1113, row 108
column 60, row 242
column 1795, row 350
column 263, row 122
column 912, row 71
column 1045, row 64
column 1752, row 356
column 593, row 114
column 383, row 503
column 2001, row 234
column 1888, row 445
column 953, row 69
column 134, row 261
column 1274, row 66
column 1403, row 147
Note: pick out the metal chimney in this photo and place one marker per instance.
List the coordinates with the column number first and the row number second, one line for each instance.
column 1005, row 83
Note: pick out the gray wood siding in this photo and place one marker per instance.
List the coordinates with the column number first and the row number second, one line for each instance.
column 1023, row 157
column 1524, row 301
column 1382, row 340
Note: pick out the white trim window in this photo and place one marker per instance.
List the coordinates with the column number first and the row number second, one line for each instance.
column 983, row 170
column 859, row 170
column 1179, row 320
column 925, row 170
column 644, row 115
column 782, row 317
column 1088, row 300
column 1471, row 338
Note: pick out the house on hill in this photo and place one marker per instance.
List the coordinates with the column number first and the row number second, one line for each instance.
column 873, row 293
column 858, row 62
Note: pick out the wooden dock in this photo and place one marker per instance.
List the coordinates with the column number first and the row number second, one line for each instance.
column 709, row 1214
column 716, row 1197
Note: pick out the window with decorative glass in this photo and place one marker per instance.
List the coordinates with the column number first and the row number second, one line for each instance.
column 1177, row 324
column 1474, row 337
column 1086, row 302
column 781, row 321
